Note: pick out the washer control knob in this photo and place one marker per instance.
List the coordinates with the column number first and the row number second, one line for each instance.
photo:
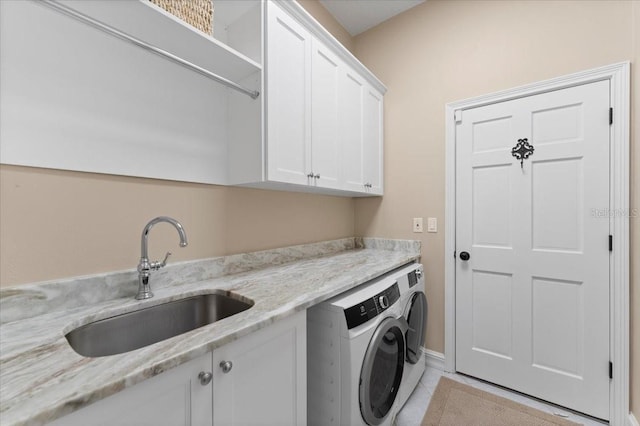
column 419, row 273
column 384, row 301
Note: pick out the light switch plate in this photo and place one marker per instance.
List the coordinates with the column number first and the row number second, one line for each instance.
column 432, row 224
column 417, row 224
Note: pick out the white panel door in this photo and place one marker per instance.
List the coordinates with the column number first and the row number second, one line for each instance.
column 532, row 300
column 325, row 130
column 288, row 71
column 352, row 92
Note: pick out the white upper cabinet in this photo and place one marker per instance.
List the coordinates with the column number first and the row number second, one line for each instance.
column 361, row 134
column 373, row 137
column 323, row 114
column 352, row 90
column 288, row 99
column 325, row 128
column 302, row 77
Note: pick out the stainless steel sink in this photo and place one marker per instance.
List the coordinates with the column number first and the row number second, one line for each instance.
column 134, row 330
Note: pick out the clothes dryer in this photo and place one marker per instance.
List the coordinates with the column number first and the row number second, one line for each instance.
column 356, row 355
column 414, row 304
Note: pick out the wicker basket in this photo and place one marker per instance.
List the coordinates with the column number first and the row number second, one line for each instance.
column 197, row 13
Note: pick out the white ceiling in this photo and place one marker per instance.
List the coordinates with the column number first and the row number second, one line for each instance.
column 357, row 16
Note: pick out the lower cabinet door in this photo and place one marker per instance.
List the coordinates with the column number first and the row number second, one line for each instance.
column 261, row 379
column 175, row 397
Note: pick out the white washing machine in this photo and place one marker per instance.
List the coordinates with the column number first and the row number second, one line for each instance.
column 356, row 355
column 414, row 307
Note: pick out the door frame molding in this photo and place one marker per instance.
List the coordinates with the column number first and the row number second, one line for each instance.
column 619, row 77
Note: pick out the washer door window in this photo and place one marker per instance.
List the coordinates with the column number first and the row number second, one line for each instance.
column 382, row 370
column 417, row 321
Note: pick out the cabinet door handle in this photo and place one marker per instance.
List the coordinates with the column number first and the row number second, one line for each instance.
column 226, row 366
column 310, row 175
column 205, row 378
column 317, row 176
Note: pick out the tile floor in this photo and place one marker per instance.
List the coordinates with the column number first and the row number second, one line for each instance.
column 415, row 408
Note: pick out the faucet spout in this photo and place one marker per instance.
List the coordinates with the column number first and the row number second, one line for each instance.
column 144, row 252
column 145, row 267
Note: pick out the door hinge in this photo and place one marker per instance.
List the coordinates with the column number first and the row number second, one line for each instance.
column 610, row 116
column 457, row 116
column 610, row 242
column 610, row 370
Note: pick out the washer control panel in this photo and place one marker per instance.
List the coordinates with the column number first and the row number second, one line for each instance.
column 372, row 307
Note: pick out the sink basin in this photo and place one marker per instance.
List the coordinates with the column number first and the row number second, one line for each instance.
column 134, row 330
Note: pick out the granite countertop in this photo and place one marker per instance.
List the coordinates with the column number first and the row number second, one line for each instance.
column 42, row 378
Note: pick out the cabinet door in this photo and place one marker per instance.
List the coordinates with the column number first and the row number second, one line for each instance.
column 373, row 141
column 288, row 118
column 265, row 382
column 352, row 89
column 172, row 398
column 325, row 131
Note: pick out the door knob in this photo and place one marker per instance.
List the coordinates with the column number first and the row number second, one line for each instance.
column 205, row 378
column 226, row 366
column 465, row 256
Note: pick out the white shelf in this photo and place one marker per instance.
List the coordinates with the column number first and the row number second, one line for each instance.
column 153, row 25
column 74, row 97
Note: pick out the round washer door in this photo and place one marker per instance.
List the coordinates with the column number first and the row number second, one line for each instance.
column 416, row 315
column 382, row 371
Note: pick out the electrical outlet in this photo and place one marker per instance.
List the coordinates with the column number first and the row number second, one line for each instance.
column 432, row 224
column 417, row 224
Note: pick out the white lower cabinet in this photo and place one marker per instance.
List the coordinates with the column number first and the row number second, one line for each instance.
column 267, row 380
column 172, row 398
column 259, row 379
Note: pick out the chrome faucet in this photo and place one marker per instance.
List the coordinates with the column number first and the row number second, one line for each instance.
column 145, row 267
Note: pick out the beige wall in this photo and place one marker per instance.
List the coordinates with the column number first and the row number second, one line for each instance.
column 444, row 51
column 56, row 224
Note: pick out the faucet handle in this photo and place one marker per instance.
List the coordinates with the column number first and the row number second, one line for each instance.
column 157, row 265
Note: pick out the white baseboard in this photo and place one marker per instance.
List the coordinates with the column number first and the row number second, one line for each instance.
column 433, row 359
column 632, row 420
